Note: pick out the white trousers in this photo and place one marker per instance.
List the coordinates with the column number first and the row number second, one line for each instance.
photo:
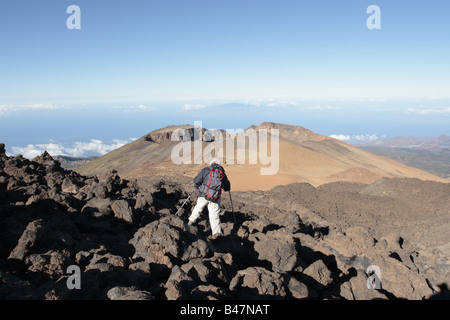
column 214, row 211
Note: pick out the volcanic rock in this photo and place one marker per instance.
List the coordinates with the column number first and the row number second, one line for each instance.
column 258, row 283
column 128, row 293
column 292, row 242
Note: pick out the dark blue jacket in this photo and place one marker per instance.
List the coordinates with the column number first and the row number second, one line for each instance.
column 203, row 177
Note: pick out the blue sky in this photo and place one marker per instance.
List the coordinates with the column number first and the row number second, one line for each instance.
column 135, row 66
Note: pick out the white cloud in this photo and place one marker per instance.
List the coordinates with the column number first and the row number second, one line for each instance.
column 428, row 111
column 42, row 106
column 188, row 107
column 142, row 107
column 77, row 149
column 355, row 137
column 318, row 107
column 139, row 108
column 365, row 137
column 6, row 109
column 341, row 137
column 255, row 102
column 281, row 103
column 31, row 150
column 260, row 102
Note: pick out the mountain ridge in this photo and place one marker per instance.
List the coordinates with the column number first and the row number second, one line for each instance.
column 304, row 156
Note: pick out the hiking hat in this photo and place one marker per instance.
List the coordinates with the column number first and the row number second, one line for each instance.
column 214, row 160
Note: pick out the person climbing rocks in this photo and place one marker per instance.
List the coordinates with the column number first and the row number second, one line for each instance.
column 210, row 181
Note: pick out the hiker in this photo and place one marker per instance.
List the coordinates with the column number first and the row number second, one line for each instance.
column 210, row 182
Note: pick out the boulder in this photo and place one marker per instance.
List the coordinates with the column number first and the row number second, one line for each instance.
column 15, row 288
column 143, row 201
column 276, row 247
column 69, row 186
column 97, row 208
column 51, row 265
column 160, row 244
column 157, row 237
column 38, row 237
column 128, row 293
column 356, row 289
column 257, row 283
column 299, row 290
column 107, row 267
column 197, row 270
column 208, row 292
column 139, row 274
column 52, row 290
column 51, row 165
column 179, row 285
column 100, row 190
column 317, row 275
column 197, row 249
column 122, row 211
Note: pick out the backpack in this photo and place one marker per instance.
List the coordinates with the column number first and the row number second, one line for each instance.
column 213, row 188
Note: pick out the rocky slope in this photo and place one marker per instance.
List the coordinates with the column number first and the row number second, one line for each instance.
column 129, row 244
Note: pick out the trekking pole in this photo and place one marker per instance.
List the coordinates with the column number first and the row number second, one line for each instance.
column 232, row 209
column 178, row 212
